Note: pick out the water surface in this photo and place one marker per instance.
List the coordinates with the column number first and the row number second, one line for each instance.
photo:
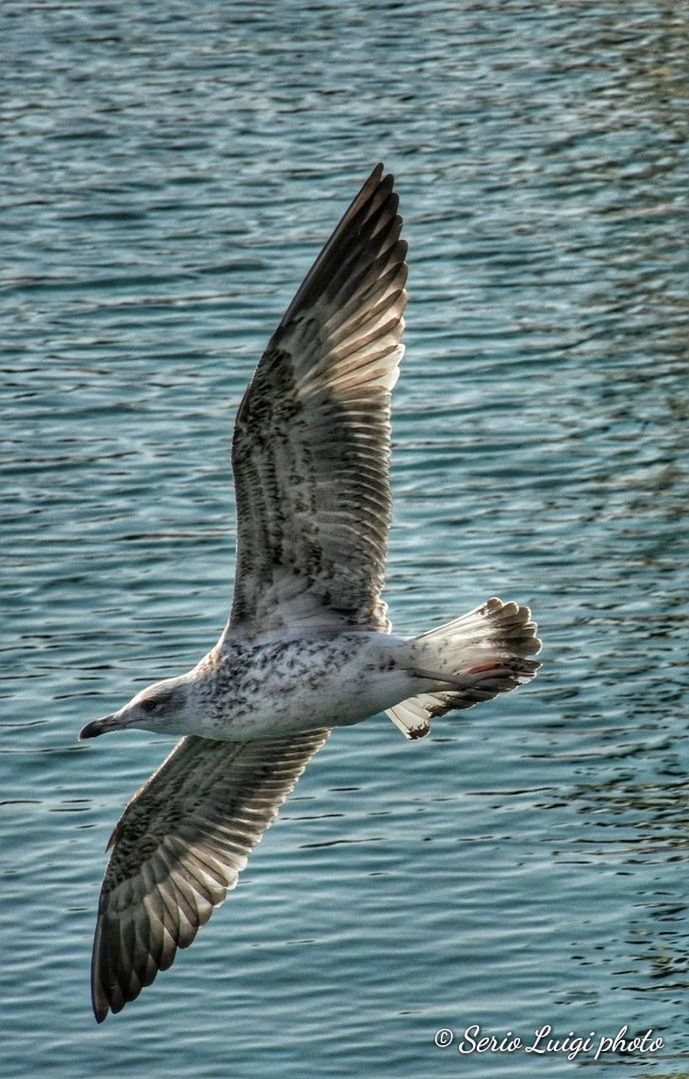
column 167, row 176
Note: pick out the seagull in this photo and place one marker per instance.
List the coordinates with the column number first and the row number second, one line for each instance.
column 308, row 645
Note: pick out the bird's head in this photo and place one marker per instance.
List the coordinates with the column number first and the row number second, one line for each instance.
column 161, row 707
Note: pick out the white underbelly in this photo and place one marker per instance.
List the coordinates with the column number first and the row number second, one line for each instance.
column 314, row 682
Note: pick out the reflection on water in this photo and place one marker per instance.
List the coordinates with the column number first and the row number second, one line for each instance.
column 167, row 180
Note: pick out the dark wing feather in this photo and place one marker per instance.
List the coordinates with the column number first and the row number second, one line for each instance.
column 179, row 847
column 311, row 450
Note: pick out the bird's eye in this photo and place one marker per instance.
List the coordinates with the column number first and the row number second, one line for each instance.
column 150, row 704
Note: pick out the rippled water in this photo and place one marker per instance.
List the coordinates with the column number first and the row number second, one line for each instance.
column 168, row 172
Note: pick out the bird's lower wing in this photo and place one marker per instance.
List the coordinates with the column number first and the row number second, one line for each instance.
column 179, row 848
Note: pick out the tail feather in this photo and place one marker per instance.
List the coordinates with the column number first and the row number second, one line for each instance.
column 469, row 660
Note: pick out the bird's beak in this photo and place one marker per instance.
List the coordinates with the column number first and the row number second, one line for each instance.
column 100, row 726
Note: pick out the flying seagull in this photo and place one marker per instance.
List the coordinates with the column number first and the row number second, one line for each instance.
column 308, row 645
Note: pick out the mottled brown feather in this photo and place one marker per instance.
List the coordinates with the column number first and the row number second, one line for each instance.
column 311, row 448
column 179, row 848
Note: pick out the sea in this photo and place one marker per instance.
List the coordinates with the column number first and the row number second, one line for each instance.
column 168, row 172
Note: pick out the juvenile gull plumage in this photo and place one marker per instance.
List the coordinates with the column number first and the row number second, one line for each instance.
column 308, row 645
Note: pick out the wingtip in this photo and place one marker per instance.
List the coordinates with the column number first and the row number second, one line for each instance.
column 378, row 175
column 101, row 1007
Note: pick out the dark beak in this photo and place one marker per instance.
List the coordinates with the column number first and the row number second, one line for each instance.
column 99, row 726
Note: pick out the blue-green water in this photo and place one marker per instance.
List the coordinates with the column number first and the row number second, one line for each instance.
column 168, row 171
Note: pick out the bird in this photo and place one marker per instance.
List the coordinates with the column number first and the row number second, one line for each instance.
column 308, row 645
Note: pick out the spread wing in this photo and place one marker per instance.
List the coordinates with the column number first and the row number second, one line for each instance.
column 311, row 450
column 179, row 847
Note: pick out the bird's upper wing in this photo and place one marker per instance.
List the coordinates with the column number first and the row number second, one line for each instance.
column 311, row 450
column 179, row 847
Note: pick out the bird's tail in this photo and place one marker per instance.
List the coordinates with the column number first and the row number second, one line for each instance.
column 469, row 660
